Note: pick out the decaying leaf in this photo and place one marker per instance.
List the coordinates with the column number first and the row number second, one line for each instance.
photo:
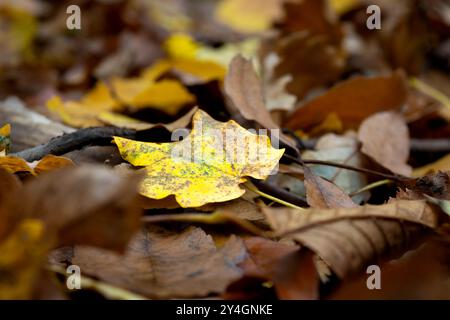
column 385, row 139
column 340, row 149
column 353, row 101
column 348, row 239
column 164, row 264
column 321, row 193
column 207, row 166
column 50, row 162
column 102, row 207
column 244, row 96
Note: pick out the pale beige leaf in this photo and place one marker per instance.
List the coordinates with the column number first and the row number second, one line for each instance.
column 385, row 139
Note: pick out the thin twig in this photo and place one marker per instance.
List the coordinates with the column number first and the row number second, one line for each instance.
column 371, row 186
column 416, row 145
column 75, row 140
column 347, row 167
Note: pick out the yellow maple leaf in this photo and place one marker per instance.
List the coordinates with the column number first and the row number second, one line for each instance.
column 207, row 166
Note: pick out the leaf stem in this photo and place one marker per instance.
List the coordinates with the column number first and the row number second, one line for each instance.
column 250, row 187
column 371, row 186
column 430, row 91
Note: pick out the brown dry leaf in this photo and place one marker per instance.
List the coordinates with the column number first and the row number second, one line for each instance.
column 313, row 16
column 84, row 205
column 340, row 149
column 311, row 31
column 243, row 91
column 51, row 162
column 292, row 272
column 165, row 264
column 244, row 96
column 321, row 193
column 15, row 164
column 298, row 277
column 436, row 185
column 353, row 101
column 317, row 62
column 348, row 239
column 385, row 139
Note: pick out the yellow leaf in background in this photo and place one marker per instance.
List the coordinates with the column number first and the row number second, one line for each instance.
column 84, row 113
column 100, row 98
column 5, row 139
column 181, row 46
column 23, row 252
column 205, row 167
column 203, row 70
column 442, row 164
column 343, row 6
column 74, row 113
column 249, row 16
column 166, row 95
column 121, row 121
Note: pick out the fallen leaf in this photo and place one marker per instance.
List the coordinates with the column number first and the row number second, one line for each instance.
column 249, row 16
column 85, row 205
column 352, row 100
column 385, row 139
column 207, row 166
column 165, row 264
column 244, row 96
column 340, row 149
column 14, row 164
column 321, row 193
column 436, row 185
column 348, row 239
column 166, row 95
column 50, row 162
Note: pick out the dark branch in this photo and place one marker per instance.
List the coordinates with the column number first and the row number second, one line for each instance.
column 75, row 140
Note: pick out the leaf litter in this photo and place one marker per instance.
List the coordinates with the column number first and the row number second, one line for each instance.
column 224, row 149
